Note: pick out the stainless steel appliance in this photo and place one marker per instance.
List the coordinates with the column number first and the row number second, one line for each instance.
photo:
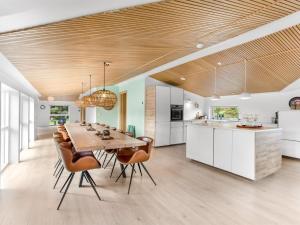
column 176, row 112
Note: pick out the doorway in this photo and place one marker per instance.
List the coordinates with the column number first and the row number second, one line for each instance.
column 123, row 110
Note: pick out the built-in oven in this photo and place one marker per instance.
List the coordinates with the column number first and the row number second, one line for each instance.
column 176, row 112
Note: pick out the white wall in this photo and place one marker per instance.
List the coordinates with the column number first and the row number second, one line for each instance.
column 43, row 115
column 264, row 105
column 90, row 115
column 190, row 110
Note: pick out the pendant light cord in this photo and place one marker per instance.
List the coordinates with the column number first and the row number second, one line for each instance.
column 215, row 80
column 245, row 81
column 104, row 65
column 90, row 84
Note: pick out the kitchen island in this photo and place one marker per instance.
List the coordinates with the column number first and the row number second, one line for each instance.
column 250, row 153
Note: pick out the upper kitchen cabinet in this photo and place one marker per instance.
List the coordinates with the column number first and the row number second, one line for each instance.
column 162, row 104
column 176, row 96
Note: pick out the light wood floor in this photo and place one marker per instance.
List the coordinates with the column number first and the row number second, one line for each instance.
column 187, row 193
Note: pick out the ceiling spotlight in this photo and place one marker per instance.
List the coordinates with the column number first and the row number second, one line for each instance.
column 50, row 98
column 182, row 78
column 200, row 45
column 219, row 63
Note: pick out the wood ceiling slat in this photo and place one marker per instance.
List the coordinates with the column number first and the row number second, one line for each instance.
column 273, row 63
column 140, row 38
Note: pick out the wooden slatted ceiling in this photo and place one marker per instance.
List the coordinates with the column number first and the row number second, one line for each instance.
column 55, row 58
column 272, row 64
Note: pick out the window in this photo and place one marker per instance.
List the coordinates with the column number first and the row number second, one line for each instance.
column 24, row 122
column 225, row 112
column 4, row 125
column 59, row 114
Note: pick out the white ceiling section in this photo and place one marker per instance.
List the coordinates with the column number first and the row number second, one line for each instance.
column 20, row 14
column 11, row 76
column 270, row 28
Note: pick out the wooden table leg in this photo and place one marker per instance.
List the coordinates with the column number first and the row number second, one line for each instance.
column 122, row 167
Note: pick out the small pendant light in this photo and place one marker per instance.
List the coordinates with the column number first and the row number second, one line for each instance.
column 245, row 95
column 215, row 97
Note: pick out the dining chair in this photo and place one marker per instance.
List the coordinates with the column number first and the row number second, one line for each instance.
column 77, row 164
column 133, row 156
column 117, row 150
column 60, row 166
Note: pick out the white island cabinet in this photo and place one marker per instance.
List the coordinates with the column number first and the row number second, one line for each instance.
column 199, row 145
column 223, row 149
column 250, row 153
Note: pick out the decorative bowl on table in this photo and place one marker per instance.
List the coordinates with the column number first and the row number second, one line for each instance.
column 98, row 133
column 106, row 135
column 249, row 126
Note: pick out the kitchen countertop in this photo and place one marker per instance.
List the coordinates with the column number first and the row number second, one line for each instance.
column 232, row 126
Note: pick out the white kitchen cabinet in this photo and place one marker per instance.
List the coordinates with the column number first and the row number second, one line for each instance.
column 290, row 148
column 176, row 136
column 243, row 153
column 176, row 96
column 162, row 104
column 200, row 144
column 223, row 149
column 162, row 134
column 185, row 125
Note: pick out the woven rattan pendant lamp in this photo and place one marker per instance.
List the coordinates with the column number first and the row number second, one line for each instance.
column 104, row 98
column 88, row 100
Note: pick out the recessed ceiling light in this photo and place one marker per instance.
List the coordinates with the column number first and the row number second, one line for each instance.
column 182, row 78
column 219, row 63
column 200, row 45
column 50, row 98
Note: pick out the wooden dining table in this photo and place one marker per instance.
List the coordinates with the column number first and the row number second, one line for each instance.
column 85, row 140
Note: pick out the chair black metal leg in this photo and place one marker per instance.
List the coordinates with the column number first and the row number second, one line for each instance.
column 91, row 178
column 98, row 154
column 148, row 173
column 121, row 173
column 56, row 168
column 112, row 170
column 102, row 155
column 132, row 170
column 65, row 183
column 60, row 172
column 122, row 169
column 109, row 160
column 80, row 180
column 104, row 159
column 62, row 198
column 92, row 184
column 56, row 164
column 140, row 169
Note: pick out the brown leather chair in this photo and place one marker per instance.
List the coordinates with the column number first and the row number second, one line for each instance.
column 60, row 167
column 79, row 164
column 135, row 156
column 114, row 152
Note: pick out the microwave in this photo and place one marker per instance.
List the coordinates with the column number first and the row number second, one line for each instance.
column 176, row 112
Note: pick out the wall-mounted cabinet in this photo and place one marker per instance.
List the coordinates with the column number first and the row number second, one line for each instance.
column 176, row 96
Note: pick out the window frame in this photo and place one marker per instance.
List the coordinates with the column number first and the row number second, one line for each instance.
column 225, row 106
